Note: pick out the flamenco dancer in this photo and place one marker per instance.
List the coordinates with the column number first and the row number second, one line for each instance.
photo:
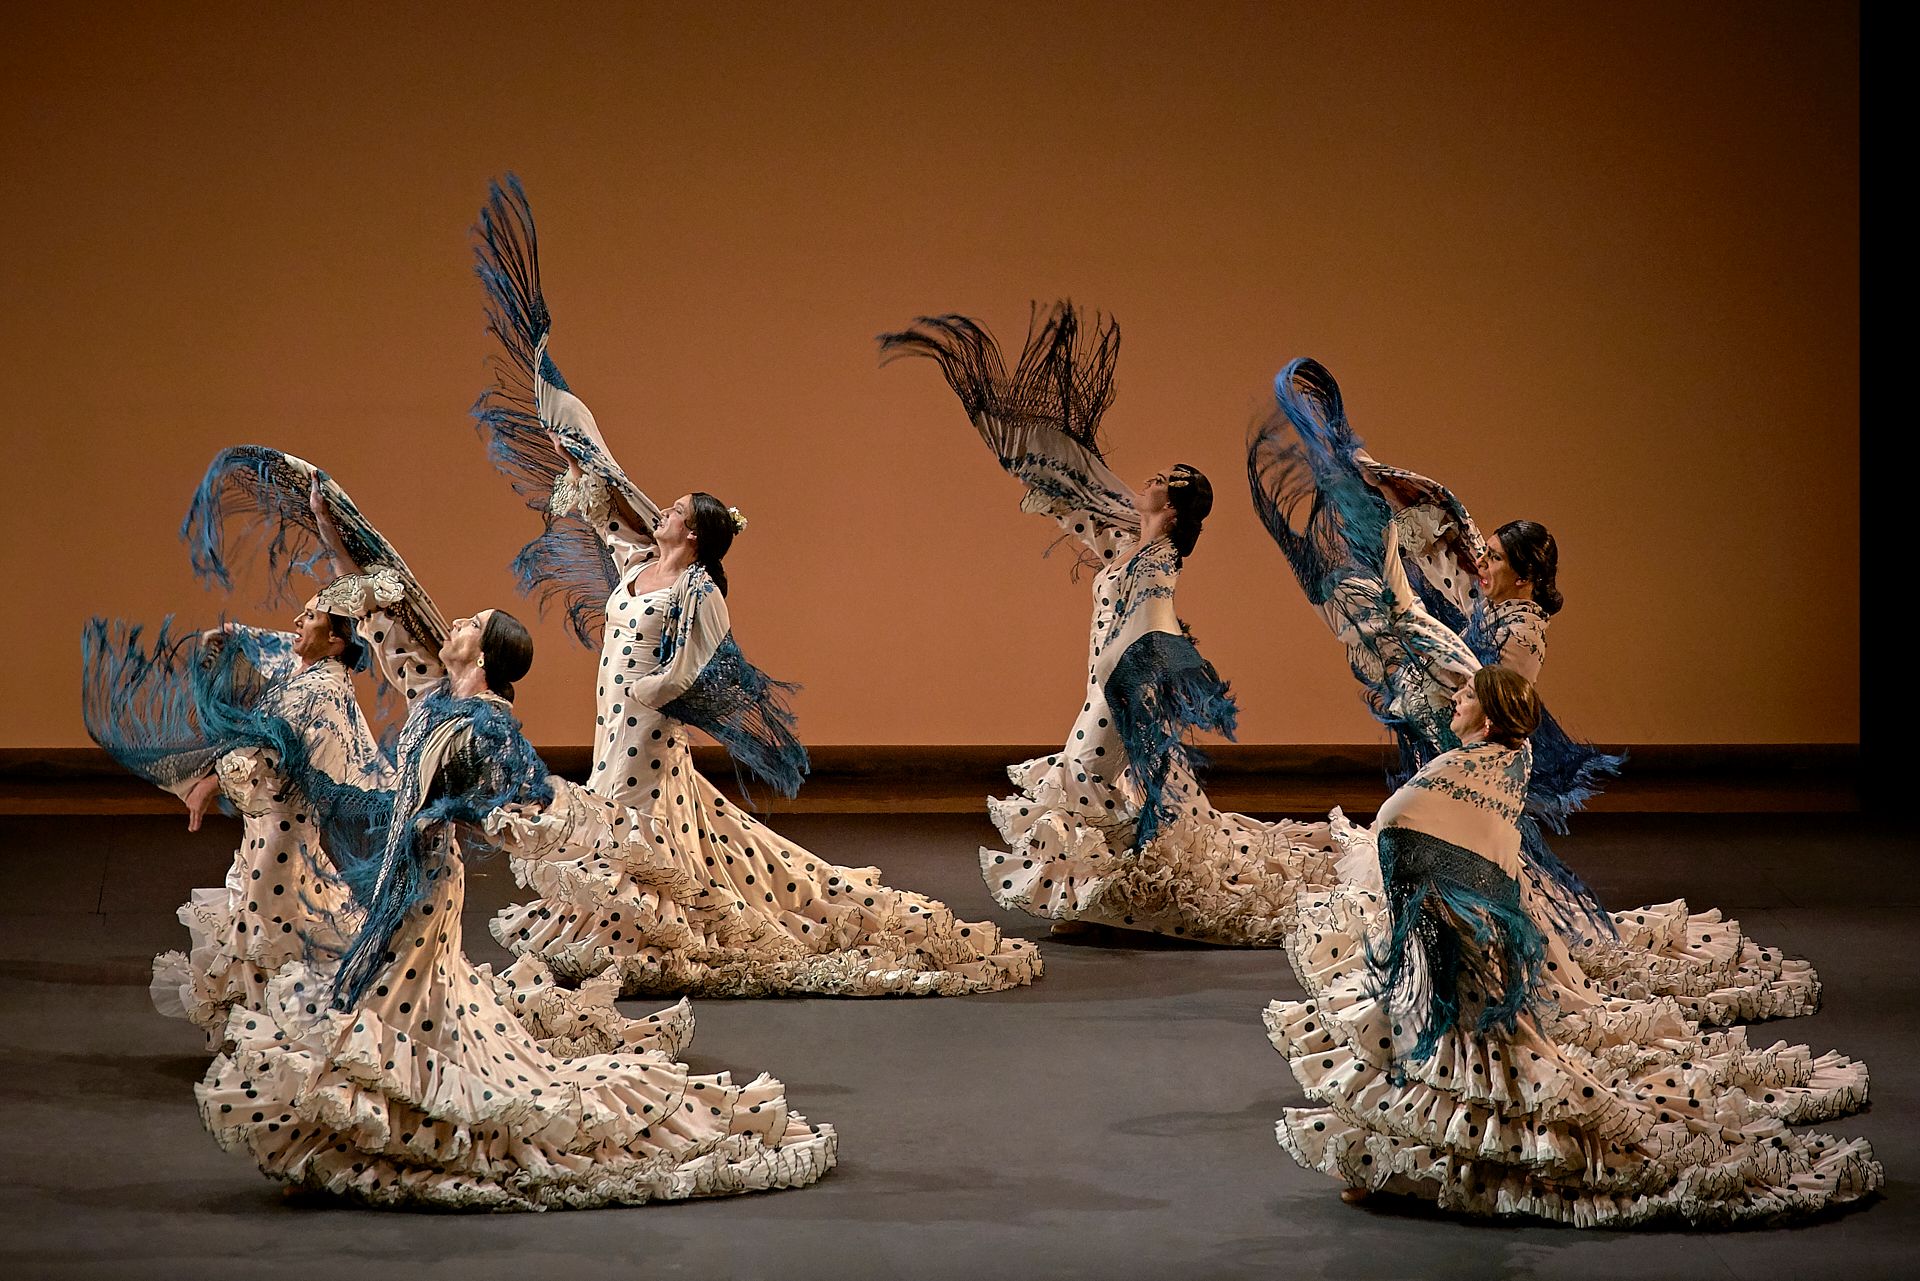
column 1416, row 632
column 279, row 899
column 1443, row 1063
column 1114, row 829
column 723, row 905
column 300, row 515
column 404, row 1077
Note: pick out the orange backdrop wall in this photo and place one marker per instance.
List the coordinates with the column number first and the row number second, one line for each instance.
column 1594, row 265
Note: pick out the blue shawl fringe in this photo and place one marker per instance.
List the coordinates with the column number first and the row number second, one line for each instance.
column 1472, row 928
column 382, row 842
column 1326, row 518
column 566, row 562
column 747, row 712
column 1161, row 691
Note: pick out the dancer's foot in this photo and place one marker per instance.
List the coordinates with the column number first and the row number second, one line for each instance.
column 1074, row 927
column 1353, row 1196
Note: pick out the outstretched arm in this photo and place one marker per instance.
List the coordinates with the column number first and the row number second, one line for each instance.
column 598, row 525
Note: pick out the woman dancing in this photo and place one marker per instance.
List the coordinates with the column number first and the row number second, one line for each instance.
column 301, row 517
column 1445, row 1065
column 727, row 906
column 1114, row 829
column 280, row 896
column 404, row 1078
column 1415, row 633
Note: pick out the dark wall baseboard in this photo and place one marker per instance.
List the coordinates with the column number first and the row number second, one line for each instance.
column 1295, row 778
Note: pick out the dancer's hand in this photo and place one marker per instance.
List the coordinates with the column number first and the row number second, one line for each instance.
column 200, row 798
column 559, row 447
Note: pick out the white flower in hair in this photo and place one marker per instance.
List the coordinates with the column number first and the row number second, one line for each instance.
column 739, row 521
column 356, row 595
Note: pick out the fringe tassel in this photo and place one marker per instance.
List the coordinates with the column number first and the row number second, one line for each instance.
column 1064, row 379
column 1457, row 920
column 566, row 564
column 1301, row 456
column 747, row 712
column 137, row 700
column 1161, row 691
column 260, row 494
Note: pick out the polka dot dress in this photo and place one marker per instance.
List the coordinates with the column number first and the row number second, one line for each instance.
column 1209, row 876
column 277, row 894
column 279, row 904
column 1702, row 962
column 431, row 1092
column 1413, row 664
column 713, row 902
column 1622, row 1114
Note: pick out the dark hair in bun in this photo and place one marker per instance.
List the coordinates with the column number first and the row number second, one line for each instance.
column 1190, row 494
column 713, row 531
column 353, row 651
column 506, row 652
column 1535, row 559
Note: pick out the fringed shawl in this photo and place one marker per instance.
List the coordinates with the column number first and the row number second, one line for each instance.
column 1460, row 936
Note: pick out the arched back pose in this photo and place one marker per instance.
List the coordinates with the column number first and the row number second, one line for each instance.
column 1417, row 628
column 300, row 517
column 724, row 905
column 1441, row 1064
column 280, row 896
column 1114, row 828
column 404, row 1078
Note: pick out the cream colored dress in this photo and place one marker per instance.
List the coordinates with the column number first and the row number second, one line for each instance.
column 721, row 904
column 565, row 1020
column 1207, row 875
column 1594, row 1111
column 1076, row 846
column 431, row 1092
column 278, row 897
column 1409, row 648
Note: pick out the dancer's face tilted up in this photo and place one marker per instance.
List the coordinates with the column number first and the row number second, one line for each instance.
column 1497, row 579
column 1469, row 718
column 313, row 635
column 672, row 529
column 1153, row 495
column 461, row 653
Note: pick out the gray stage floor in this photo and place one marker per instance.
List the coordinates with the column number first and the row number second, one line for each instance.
column 1114, row 1120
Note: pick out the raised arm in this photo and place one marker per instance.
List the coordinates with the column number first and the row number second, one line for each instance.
column 1342, row 543
column 327, row 531
column 598, row 525
column 624, row 528
column 1041, row 421
column 408, row 662
column 258, row 499
column 1437, row 537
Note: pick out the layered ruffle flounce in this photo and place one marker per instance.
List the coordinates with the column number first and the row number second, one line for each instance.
column 474, row 1116
column 230, row 964
column 1208, row 876
column 736, row 910
column 1617, row 1114
column 1702, row 960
